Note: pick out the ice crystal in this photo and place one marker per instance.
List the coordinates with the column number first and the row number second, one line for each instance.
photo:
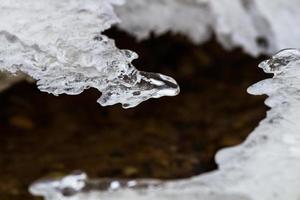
column 60, row 45
column 264, row 167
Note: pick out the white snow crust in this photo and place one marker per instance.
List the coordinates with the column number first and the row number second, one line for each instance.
column 257, row 26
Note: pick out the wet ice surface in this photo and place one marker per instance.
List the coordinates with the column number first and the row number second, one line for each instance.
column 264, row 167
column 60, row 45
column 78, row 182
column 258, row 26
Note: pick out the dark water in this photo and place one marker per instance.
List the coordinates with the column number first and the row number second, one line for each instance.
column 168, row 138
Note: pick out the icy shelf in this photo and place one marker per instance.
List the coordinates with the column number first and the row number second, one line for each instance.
column 264, row 167
column 60, row 45
column 258, row 26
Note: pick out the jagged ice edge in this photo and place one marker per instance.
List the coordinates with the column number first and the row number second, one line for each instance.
column 59, row 44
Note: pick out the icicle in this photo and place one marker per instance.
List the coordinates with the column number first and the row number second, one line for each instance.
column 60, row 45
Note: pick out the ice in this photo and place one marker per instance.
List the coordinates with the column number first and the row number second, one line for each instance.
column 257, row 26
column 67, row 35
column 71, row 185
column 60, row 45
column 264, row 167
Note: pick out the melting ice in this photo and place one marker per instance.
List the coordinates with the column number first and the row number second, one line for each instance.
column 59, row 44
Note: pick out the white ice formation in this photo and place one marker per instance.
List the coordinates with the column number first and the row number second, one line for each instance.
column 258, row 26
column 7, row 80
column 264, row 167
column 60, row 45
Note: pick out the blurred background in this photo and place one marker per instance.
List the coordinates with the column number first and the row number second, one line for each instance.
column 167, row 138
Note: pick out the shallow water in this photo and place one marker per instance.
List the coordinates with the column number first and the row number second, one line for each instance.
column 170, row 138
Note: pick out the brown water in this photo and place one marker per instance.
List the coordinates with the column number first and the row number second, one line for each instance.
column 168, row 138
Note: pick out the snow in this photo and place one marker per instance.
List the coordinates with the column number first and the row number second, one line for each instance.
column 257, row 26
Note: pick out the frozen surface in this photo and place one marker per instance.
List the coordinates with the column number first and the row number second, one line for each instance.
column 59, row 44
column 264, row 167
column 258, row 26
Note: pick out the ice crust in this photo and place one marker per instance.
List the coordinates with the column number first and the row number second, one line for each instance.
column 258, row 26
column 59, row 44
column 264, row 167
